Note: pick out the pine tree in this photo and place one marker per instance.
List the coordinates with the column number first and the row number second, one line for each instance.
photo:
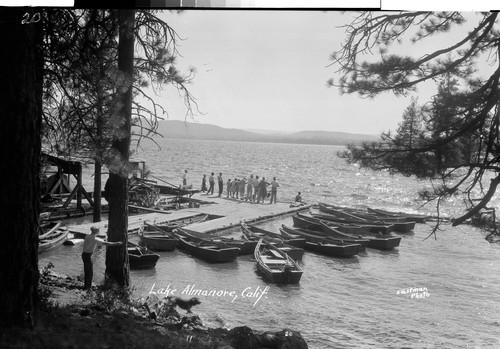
column 410, row 128
column 460, row 142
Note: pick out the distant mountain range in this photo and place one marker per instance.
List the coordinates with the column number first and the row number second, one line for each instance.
column 176, row 129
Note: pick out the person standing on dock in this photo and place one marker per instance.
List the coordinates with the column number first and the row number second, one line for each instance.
column 236, row 189
column 274, row 190
column 249, row 189
column 211, row 182
column 89, row 244
column 256, row 183
column 228, row 188
column 241, row 188
column 220, row 183
column 233, row 187
column 262, row 194
column 184, row 178
column 204, row 183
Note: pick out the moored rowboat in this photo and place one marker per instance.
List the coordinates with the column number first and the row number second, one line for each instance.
column 253, row 233
column 140, row 257
column 363, row 217
column 209, row 251
column 348, row 228
column 355, row 224
column 48, row 228
column 276, row 266
column 407, row 216
column 377, row 241
column 55, row 239
column 271, row 236
column 311, row 222
column 245, row 246
column 322, row 244
column 156, row 239
column 300, row 220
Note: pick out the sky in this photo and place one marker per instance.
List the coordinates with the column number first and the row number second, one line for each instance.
column 268, row 70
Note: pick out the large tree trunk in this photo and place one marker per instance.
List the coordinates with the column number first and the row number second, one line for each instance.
column 20, row 108
column 117, row 266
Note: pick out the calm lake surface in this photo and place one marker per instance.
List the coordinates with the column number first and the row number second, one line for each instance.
column 428, row 293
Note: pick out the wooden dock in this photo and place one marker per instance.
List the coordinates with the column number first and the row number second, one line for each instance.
column 134, row 221
column 235, row 211
column 230, row 211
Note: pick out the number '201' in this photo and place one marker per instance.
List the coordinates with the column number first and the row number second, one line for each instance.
column 34, row 19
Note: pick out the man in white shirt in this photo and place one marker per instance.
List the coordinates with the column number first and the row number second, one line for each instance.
column 274, row 190
column 89, row 244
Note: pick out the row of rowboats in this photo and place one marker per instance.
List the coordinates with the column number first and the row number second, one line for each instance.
column 323, row 226
column 326, row 229
column 276, row 259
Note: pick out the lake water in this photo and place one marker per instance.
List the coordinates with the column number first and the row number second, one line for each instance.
column 428, row 293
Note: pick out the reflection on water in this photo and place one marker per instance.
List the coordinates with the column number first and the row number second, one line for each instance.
column 345, row 303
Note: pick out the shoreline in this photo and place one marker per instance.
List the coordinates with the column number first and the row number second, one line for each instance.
column 71, row 317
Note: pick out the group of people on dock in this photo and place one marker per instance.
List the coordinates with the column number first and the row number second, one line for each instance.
column 211, row 182
column 252, row 189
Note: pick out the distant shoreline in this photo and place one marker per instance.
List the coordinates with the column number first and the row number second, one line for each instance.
column 175, row 129
column 252, row 141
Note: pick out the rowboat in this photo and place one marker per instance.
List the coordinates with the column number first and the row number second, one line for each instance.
column 307, row 223
column 300, row 220
column 169, row 226
column 374, row 227
column 402, row 223
column 156, row 239
column 48, row 228
column 55, row 239
column 252, row 233
column 377, row 241
column 246, row 246
column 209, row 251
column 364, row 217
column 353, row 227
column 407, row 216
column 348, row 228
column 140, row 257
column 275, row 265
column 272, row 236
column 311, row 222
column 322, row 244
